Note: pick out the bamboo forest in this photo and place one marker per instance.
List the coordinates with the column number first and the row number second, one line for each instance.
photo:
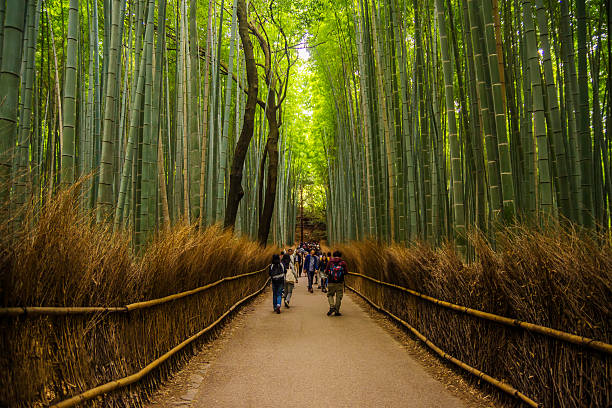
column 156, row 157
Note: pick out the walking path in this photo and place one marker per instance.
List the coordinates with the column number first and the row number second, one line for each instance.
column 302, row 358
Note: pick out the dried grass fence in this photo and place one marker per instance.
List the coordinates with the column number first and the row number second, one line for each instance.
column 65, row 262
column 559, row 280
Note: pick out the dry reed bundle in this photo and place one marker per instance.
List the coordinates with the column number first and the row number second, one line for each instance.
column 555, row 278
column 60, row 258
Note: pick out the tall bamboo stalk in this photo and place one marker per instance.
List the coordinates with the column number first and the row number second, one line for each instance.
column 10, row 67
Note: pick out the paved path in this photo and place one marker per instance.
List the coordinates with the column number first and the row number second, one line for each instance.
column 302, row 358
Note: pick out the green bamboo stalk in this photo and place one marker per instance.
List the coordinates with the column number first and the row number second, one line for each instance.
column 2, row 14
column 22, row 186
column 571, row 91
column 213, row 160
column 527, row 135
column 194, row 114
column 545, row 183
column 53, row 171
column 562, row 164
column 133, row 134
column 149, row 152
column 483, row 98
column 500, row 113
column 183, row 117
column 105, row 188
column 10, row 67
column 474, row 133
column 156, row 128
column 205, row 124
column 97, row 105
column 69, row 103
column 367, row 128
column 455, row 152
column 584, row 133
column 599, row 208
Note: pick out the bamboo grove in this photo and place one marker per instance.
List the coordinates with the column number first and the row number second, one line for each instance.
column 455, row 114
column 145, row 98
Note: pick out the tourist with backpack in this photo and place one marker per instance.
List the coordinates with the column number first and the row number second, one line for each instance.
column 291, row 279
column 277, row 276
column 336, row 269
column 311, row 264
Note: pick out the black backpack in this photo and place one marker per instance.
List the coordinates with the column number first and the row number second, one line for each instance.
column 277, row 272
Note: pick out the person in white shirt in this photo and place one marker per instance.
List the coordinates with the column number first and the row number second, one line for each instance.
column 291, row 279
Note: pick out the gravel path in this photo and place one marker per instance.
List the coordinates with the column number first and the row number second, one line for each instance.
column 303, row 358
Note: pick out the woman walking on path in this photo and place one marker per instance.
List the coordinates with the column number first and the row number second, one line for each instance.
column 277, row 275
column 291, row 279
column 299, row 259
column 286, row 260
column 336, row 269
column 323, row 271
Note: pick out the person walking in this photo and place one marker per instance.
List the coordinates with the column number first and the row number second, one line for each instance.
column 311, row 264
column 322, row 261
column 323, row 271
column 336, row 269
column 316, row 275
column 299, row 259
column 277, row 276
column 294, row 259
column 291, row 279
column 286, row 260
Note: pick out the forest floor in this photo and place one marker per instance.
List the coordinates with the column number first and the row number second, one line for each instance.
column 304, row 358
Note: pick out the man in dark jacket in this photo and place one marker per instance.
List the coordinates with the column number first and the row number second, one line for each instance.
column 335, row 271
column 311, row 264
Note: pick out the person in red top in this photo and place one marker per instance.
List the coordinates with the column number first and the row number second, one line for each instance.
column 335, row 271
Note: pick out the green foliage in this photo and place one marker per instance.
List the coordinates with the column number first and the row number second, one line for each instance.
column 307, row 145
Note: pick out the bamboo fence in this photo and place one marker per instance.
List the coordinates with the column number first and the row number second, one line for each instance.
column 550, row 367
column 125, row 381
column 66, row 352
column 547, row 331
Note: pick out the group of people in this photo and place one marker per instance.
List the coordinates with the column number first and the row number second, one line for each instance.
column 309, row 246
column 325, row 270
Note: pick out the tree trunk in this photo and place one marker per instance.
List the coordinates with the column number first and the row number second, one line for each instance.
column 270, row 196
column 235, row 186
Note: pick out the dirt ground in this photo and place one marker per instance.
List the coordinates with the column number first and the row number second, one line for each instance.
column 304, row 358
